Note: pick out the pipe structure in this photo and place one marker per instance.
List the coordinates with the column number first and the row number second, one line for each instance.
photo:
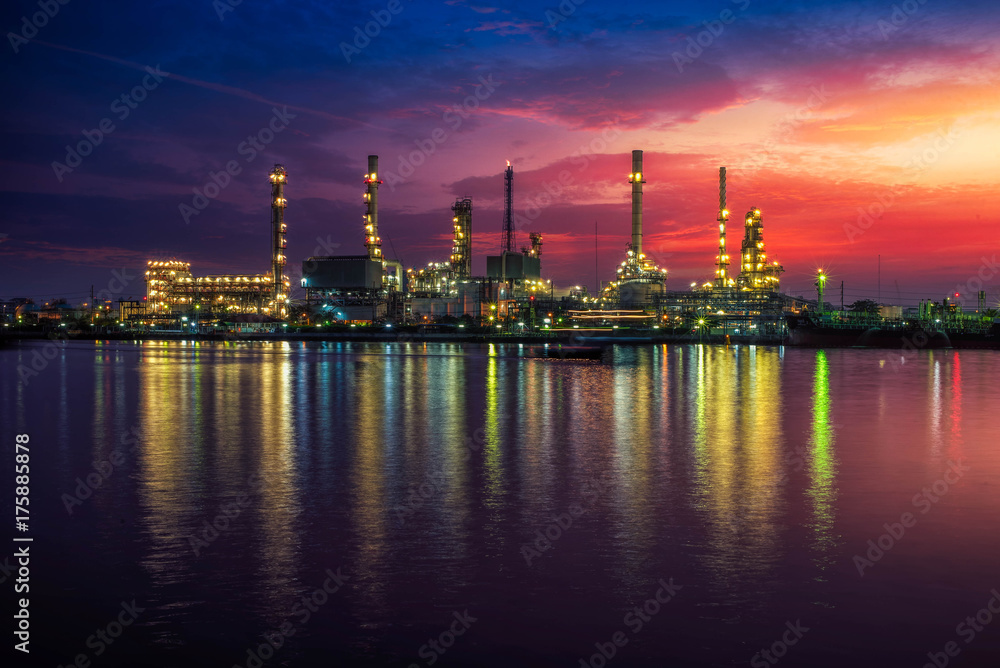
column 461, row 250
column 636, row 178
column 372, row 240
column 508, row 239
column 755, row 272
column 722, row 262
column 536, row 244
column 279, row 282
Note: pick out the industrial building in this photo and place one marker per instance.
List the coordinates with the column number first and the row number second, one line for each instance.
column 172, row 290
column 371, row 288
column 357, row 287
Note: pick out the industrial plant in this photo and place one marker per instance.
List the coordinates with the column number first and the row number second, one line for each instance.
column 512, row 297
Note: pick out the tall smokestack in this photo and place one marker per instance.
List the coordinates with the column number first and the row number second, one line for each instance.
column 279, row 282
column 372, row 241
column 508, row 240
column 637, row 178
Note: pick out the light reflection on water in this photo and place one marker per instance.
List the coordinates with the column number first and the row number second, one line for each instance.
column 750, row 474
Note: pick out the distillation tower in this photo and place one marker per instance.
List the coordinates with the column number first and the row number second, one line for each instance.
column 461, row 249
column 279, row 282
column 722, row 280
column 756, row 274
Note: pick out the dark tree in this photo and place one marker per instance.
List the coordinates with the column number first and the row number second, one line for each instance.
column 865, row 306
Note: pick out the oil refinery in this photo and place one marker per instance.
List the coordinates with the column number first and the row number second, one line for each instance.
column 513, row 297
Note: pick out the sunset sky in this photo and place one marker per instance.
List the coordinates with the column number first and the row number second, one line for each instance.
column 819, row 115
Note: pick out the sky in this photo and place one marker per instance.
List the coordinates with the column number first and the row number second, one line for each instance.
column 867, row 133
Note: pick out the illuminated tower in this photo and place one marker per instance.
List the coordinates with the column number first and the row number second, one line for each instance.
column 722, row 279
column 461, row 249
column 636, row 178
column 372, row 240
column 508, row 240
column 755, row 272
column 279, row 282
column 536, row 244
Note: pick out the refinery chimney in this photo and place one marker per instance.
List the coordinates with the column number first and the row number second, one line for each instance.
column 636, row 178
column 372, row 241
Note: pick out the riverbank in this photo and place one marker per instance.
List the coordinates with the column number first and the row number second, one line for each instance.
column 564, row 337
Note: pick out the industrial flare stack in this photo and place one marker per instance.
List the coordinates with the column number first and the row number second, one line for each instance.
column 511, row 265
